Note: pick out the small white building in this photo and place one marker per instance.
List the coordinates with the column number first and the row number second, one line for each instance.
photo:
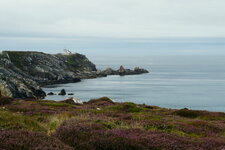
column 67, row 52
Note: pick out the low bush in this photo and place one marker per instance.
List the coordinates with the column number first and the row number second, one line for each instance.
column 159, row 125
column 25, row 140
column 188, row 113
column 103, row 101
column 5, row 100
column 127, row 107
column 83, row 135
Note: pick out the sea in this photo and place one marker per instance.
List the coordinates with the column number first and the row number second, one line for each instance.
column 193, row 82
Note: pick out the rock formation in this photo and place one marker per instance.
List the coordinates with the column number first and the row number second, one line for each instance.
column 122, row 71
column 62, row 92
column 22, row 73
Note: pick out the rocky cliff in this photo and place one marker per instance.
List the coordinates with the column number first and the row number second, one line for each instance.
column 23, row 73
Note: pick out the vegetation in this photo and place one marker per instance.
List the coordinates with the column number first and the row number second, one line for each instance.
column 102, row 124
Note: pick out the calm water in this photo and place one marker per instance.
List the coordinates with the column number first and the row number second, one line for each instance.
column 196, row 82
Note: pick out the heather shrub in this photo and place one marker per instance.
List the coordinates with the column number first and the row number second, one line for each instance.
column 44, row 107
column 122, row 116
column 76, row 134
column 25, row 140
column 84, row 136
column 95, row 136
column 190, row 129
column 5, row 100
column 187, row 113
column 210, row 143
column 207, row 127
column 158, row 125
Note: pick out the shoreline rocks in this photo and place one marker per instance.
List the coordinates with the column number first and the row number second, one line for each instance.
column 72, row 100
column 62, row 92
column 23, row 73
column 122, row 71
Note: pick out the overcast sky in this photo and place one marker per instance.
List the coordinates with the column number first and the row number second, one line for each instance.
column 112, row 24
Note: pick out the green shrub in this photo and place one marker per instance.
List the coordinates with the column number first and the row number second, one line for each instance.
column 127, row 107
column 188, row 113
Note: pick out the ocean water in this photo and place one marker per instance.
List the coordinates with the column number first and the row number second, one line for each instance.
column 195, row 82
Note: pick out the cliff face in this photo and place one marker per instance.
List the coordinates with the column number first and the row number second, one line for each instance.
column 22, row 73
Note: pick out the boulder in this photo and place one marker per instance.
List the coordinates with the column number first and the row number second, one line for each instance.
column 62, row 92
column 50, row 93
column 100, row 73
column 69, row 101
column 72, row 100
column 138, row 70
column 122, row 71
column 109, row 71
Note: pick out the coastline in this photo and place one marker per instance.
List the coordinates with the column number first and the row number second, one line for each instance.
column 23, row 72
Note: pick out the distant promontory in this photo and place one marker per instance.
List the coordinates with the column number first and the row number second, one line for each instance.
column 22, row 73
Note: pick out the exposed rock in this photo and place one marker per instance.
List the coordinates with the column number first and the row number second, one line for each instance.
column 70, row 94
column 122, row 71
column 50, row 93
column 100, row 73
column 109, row 71
column 62, row 92
column 138, row 70
column 72, row 100
column 13, row 84
column 69, row 101
column 22, row 73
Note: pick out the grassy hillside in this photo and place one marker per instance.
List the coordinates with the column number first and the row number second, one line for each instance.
column 102, row 124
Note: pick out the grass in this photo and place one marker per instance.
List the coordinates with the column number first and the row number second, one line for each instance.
column 9, row 120
column 55, row 104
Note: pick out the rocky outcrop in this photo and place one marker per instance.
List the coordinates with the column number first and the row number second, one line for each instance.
column 109, row 71
column 15, row 83
column 122, row 71
column 62, row 92
column 22, row 73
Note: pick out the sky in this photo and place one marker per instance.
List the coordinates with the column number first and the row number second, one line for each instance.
column 114, row 26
